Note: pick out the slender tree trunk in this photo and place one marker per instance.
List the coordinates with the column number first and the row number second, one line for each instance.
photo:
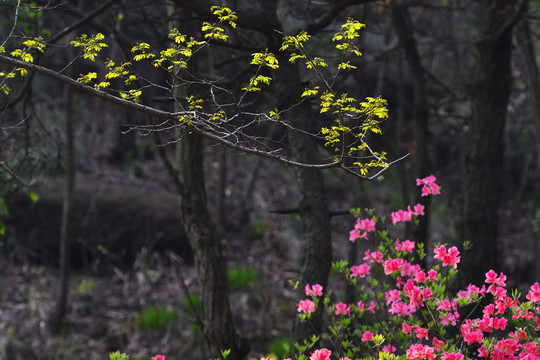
column 218, row 324
column 484, row 147
column 403, row 25
column 58, row 318
column 531, row 74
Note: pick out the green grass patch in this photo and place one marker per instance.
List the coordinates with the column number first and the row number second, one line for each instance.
column 155, row 318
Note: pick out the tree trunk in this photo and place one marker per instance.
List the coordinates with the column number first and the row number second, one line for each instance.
column 57, row 320
column 403, row 25
column 531, row 74
column 484, row 147
column 317, row 255
column 218, row 325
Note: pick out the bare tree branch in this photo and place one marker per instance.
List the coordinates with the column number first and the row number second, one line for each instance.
column 10, row 172
column 162, row 114
column 15, row 17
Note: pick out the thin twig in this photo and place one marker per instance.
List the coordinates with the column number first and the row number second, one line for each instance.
column 10, row 172
column 15, row 17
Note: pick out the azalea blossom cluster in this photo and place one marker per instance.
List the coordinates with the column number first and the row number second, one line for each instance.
column 411, row 309
column 319, row 354
column 429, row 187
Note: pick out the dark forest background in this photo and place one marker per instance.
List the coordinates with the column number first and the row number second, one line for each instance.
column 153, row 219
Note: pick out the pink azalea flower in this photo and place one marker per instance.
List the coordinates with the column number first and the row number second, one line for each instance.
column 417, row 351
column 527, row 315
column 474, row 337
column 367, row 336
column 447, row 305
column 500, row 323
column 401, row 216
column 407, row 246
column 432, row 275
column 501, row 280
column 438, row 344
column 499, row 292
column 429, row 186
column 392, row 265
column 519, row 335
column 426, row 293
column 306, row 306
column 491, row 277
column 360, row 270
column 534, row 293
column 486, row 324
column 466, row 327
column 342, row 308
column 373, row 256
column 367, row 225
column 414, row 294
column 452, row 258
column 344, row 358
column 321, row 354
column 450, row 319
column 399, row 308
column 158, row 357
column 360, row 305
column 482, row 351
column 489, row 310
column 529, row 356
column 475, row 290
column 389, row 349
column 392, row 296
column 419, row 210
column 315, row 290
column 406, row 328
column 507, row 347
column 354, row 234
column 408, row 269
column 371, row 307
column 452, row 356
column 448, row 258
column 421, row 333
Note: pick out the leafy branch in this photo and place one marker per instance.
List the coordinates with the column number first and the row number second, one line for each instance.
column 220, row 115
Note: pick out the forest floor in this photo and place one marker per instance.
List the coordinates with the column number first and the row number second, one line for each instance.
column 114, row 312
column 142, row 309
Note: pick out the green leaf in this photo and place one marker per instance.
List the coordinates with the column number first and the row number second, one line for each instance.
column 33, row 196
column 117, row 355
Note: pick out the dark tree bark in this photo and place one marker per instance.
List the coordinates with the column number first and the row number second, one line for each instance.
column 420, row 115
column 57, row 319
column 489, row 93
column 525, row 45
column 317, row 256
column 218, row 324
